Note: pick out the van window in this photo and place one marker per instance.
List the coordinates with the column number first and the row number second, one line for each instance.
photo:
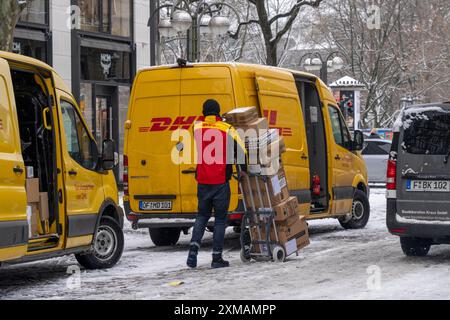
column 79, row 144
column 428, row 134
column 340, row 130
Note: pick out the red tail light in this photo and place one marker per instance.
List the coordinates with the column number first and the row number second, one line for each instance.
column 391, row 181
column 125, row 175
column 316, row 185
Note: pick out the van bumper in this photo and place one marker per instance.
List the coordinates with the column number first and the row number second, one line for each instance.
column 438, row 232
column 172, row 220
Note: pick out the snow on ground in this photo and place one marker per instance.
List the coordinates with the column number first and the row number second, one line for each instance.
column 339, row 264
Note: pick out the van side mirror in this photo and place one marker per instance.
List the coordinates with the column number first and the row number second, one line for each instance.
column 358, row 140
column 108, row 155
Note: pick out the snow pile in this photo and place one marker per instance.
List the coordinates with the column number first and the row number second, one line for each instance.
column 408, row 115
column 417, row 221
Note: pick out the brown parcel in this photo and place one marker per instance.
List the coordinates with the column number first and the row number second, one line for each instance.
column 286, row 209
column 34, row 219
column 241, row 116
column 43, row 206
column 278, row 190
column 32, row 189
column 298, row 230
column 267, row 153
column 258, row 124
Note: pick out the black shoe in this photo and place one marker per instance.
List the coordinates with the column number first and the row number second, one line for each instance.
column 192, row 257
column 218, row 262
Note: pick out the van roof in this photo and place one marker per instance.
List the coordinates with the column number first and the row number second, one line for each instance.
column 237, row 65
column 426, row 105
column 24, row 59
column 59, row 82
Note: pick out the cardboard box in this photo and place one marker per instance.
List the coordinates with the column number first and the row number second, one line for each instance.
column 283, row 148
column 277, row 190
column 257, row 125
column 293, row 237
column 44, row 213
column 270, row 152
column 32, row 189
column 287, row 209
column 241, row 116
column 33, row 217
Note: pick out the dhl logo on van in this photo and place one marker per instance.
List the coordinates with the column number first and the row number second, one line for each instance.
column 186, row 122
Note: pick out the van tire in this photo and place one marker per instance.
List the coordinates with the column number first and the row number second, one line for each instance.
column 164, row 236
column 414, row 247
column 108, row 230
column 360, row 212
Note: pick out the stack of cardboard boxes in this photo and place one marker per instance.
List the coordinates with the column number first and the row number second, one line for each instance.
column 265, row 168
column 37, row 206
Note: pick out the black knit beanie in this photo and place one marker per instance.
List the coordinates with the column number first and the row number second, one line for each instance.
column 211, row 108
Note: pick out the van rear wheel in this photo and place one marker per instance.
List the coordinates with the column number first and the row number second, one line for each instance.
column 107, row 246
column 414, row 247
column 359, row 216
column 164, row 236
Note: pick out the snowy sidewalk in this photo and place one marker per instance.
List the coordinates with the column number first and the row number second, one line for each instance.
column 339, row 264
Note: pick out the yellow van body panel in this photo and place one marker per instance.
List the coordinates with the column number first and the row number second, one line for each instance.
column 78, row 241
column 12, row 253
column 166, row 99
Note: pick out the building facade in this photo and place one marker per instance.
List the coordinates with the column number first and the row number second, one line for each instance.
column 96, row 46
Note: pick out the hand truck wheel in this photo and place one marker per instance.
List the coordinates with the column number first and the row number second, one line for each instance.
column 245, row 256
column 278, row 254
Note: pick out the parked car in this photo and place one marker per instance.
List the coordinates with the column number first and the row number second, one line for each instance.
column 418, row 178
column 376, row 154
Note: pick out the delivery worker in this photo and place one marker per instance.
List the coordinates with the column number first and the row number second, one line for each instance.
column 218, row 146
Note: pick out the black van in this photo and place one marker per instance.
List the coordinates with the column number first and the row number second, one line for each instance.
column 418, row 178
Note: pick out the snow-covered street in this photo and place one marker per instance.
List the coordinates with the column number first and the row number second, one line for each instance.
column 339, row 264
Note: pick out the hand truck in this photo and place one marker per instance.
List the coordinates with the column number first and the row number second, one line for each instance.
column 257, row 219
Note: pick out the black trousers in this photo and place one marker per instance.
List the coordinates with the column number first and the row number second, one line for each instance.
column 217, row 197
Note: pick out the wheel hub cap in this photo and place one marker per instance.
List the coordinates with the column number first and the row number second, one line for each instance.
column 357, row 210
column 105, row 243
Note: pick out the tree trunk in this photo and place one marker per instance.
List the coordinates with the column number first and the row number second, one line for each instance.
column 9, row 15
column 271, row 52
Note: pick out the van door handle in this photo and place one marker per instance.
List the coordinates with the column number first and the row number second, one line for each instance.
column 304, row 157
column 72, row 172
column 18, row 170
column 188, row 171
column 337, row 157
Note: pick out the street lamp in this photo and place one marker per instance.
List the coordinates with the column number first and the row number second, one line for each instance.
column 315, row 62
column 194, row 18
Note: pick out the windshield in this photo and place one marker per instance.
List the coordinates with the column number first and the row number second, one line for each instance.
column 427, row 133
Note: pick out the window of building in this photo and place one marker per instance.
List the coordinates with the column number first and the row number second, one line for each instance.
column 31, row 48
column 106, row 16
column 35, row 12
column 105, row 65
column 79, row 144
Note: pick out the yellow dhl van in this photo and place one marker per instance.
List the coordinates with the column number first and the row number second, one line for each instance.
column 161, row 195
column 58, row 195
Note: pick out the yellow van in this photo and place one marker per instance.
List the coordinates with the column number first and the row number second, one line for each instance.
column 323, row 164
column 58, row 194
